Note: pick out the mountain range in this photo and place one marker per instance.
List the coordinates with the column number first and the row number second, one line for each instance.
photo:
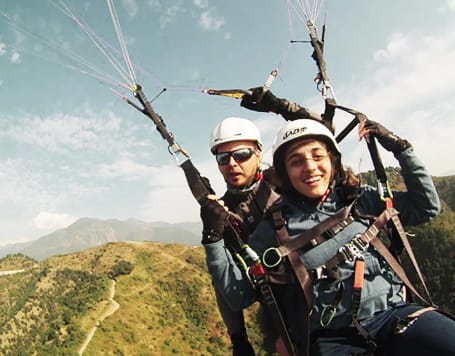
column 88, row 232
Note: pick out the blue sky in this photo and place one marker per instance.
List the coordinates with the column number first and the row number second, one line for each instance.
column 70, row 148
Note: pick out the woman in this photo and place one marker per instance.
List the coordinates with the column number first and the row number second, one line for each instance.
column 344, row 317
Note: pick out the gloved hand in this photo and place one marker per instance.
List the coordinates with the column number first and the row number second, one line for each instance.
column 214, row 218
column 260, row 101
column 386, row 138
column 268, row 102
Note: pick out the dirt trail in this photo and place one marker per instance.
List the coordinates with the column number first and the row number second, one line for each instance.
column 7, row 273
column 109, row 311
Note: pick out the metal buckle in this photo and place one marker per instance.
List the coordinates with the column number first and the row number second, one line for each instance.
column 319, row 273
column 403, row 324
column 354, row 249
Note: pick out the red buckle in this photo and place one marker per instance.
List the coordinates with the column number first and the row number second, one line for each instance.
column 388, row 203
column 257, row 269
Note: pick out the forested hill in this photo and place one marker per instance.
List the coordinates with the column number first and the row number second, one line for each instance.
column 165, row 297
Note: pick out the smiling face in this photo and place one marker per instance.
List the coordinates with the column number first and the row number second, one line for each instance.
column 239, row 174
column 309, row 167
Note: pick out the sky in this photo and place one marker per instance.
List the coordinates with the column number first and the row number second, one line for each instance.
column 71, row 148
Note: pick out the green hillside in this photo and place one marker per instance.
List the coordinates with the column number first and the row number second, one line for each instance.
column 166, row 303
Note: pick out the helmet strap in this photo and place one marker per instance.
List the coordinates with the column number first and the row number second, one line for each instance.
column 257, row 179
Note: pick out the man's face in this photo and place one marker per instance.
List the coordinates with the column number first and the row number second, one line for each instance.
column 238, row 174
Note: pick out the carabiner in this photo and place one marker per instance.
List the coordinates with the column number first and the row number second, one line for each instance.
column 325, row 319
column 277, row 258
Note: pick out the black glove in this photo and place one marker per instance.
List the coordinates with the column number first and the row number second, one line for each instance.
column 214, row 220
column 260, row 101
column 386, row 138
column 268, row 102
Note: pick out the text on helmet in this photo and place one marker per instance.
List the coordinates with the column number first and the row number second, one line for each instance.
column 294, row 132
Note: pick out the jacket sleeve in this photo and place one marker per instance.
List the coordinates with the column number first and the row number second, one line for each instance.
column 420, row 203
column 293, row 111
column 227, row 277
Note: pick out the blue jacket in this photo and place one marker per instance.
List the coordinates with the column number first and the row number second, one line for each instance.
column 382, row 288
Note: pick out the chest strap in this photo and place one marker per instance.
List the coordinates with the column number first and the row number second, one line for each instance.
column 354, row 249
column 310, row 238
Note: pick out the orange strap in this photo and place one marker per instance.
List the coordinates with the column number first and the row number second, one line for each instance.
column 358, row 273
column 388, row 203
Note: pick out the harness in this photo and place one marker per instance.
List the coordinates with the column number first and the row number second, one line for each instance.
column 251, row 210
column 248, row 214
column 290, row 249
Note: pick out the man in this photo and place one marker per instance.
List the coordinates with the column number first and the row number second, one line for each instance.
column 237, row 146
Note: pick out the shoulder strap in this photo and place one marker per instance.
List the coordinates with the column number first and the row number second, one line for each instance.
column 407, row 246
column 302, row 275
column 252, row 209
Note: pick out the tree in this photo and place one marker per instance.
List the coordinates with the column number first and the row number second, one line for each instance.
column 121, row 268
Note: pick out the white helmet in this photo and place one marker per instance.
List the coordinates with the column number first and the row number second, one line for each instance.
column 301, row 128
column 234, row 129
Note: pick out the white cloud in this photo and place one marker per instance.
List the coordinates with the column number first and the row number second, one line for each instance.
column 202, row 4
column 209, row 21
column 398, row 44
column 170, row 15
column 15, row 57
column 131, row 7
column 53, row 221
column 63, row 133
column 408, row 88
column 127, row 168
column 154, row 4
column 451, row 4
column 22, row 190
column 170, row 199
column 227, row 36
column 2, row 48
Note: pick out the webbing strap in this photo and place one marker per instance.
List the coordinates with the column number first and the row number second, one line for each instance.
column 400, row 230
column 268, row 298
column 335, row 223
column 305, row 282
column 331, row 105
column 370, row 236
column 397, row 268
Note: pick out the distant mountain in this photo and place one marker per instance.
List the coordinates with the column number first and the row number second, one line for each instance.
column 87, row 232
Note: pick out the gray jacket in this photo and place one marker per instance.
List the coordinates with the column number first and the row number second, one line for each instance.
column 382, row 288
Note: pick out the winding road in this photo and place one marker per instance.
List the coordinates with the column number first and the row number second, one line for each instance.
column 109, row 311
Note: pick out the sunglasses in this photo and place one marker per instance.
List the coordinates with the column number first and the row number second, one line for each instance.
column 240, row 155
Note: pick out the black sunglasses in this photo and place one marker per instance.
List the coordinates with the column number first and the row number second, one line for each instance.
column 240, row 155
